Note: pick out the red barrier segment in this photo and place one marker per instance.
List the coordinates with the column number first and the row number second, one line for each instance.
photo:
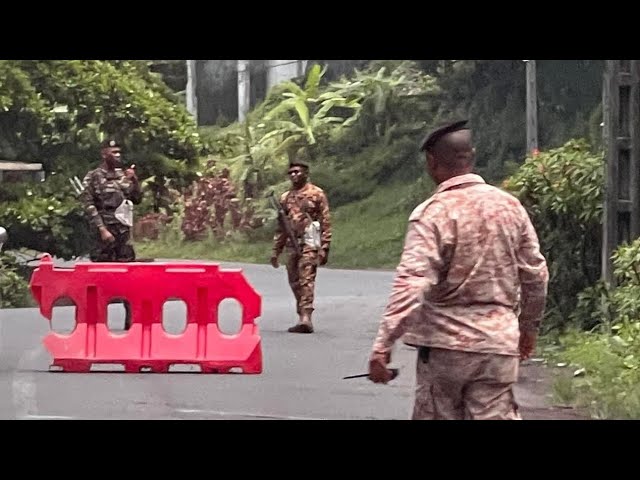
column 146, row 287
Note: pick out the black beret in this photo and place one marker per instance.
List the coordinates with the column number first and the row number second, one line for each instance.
column 298, row 163
column 431, row 139
column 110, row 143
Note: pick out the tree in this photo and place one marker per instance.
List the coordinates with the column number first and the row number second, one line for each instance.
column 57, row 111
column 563, row 190
column 304, row 114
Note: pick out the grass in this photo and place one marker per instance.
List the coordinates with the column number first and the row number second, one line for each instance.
column 598, row 372
column 367, row 234
column 209, row 249
column 370, row 233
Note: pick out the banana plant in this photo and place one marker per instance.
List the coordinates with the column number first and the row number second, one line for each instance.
column 383, row 89
column 303, row 115
column 254, row 161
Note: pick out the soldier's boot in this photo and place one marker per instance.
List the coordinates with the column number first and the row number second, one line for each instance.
column 304, row 324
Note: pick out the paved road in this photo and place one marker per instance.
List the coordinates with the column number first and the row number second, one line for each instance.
column 301, row 378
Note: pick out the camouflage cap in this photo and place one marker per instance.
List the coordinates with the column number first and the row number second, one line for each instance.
column 432, row 138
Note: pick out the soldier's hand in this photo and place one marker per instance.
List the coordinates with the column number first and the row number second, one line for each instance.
column 528, row 340
column 378, row 371
column 130, row 173
column 274, row 262
column 106, row 235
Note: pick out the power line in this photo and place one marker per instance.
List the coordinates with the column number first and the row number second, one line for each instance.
column 282, row 64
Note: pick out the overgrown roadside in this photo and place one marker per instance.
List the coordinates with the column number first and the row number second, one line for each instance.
column 536, row 396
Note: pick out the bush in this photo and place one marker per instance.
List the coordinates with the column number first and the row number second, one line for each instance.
column 562, row 190
column 603, row 368
column 54, row 112
column 602, row 303
column 340, row 186
column 14, row 289
column 48, row 218
column 376, row 165
column 608, row 357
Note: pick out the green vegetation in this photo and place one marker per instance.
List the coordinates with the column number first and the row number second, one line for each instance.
column 593, row 328
column 360, row 132
column 368, row 234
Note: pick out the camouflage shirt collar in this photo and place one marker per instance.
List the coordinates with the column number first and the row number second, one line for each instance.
column 459, row 180
column 106, row 170
column 305, row 187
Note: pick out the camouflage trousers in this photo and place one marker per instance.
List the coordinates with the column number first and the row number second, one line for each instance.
column 118, row 251
column 301, row 270
column 455, row 385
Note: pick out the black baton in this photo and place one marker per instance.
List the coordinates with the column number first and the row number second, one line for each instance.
column 394, row 374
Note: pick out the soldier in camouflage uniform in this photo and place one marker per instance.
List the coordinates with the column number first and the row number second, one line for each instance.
column 105, row 189
column 469, row 292
column 304, row 203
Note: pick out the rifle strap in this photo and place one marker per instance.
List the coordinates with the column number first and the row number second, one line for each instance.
column 296, row 202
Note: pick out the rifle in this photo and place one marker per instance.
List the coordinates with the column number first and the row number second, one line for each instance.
column 284, row 221
column 76, row 184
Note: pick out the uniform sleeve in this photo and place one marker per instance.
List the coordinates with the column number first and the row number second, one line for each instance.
column 416, row 275
column 133, row 191
column 325, row 222
column 87, row 198
column 280, row 235
column 534, row 277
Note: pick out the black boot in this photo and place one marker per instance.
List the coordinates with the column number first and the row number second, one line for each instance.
column 304, row 325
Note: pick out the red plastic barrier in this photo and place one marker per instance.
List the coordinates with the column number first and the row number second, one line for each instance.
column 146, row 287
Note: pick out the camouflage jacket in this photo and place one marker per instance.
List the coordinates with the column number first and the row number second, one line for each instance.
column 471, row 275
column 104, row 191
column 302, row 206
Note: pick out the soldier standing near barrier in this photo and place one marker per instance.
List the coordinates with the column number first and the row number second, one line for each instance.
column 108, row 196
column 469, row 291
column 305, row 229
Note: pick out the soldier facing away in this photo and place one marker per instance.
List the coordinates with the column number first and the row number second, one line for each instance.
column 108, row 197
column 303, row 205
column 469, row 292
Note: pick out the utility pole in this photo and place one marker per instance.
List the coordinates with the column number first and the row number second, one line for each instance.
column 192, row 99
column 244, row 89
column 621, row 115
column 532, row 108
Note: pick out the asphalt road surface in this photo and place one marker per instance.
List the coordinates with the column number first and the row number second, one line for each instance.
column 302, row 377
